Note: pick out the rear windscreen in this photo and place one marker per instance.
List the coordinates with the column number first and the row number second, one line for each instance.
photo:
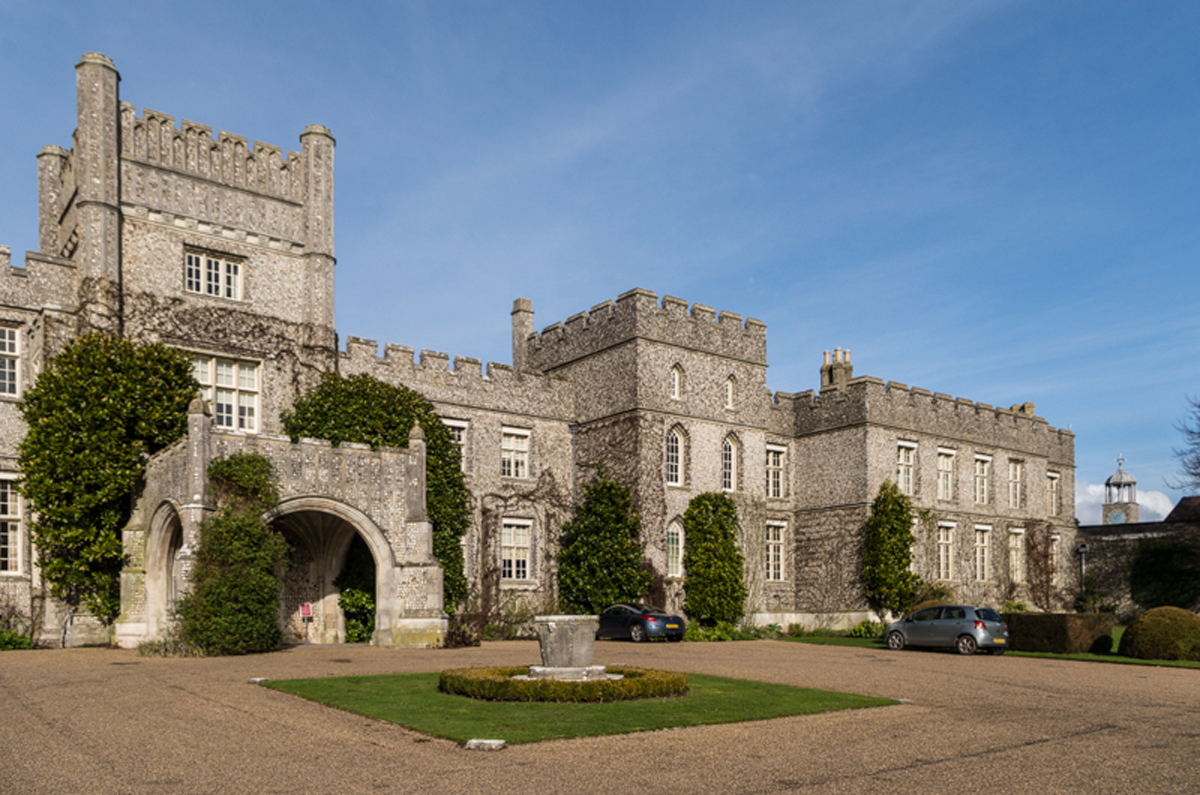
column 988, row 614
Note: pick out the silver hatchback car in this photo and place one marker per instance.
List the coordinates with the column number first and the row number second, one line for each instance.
column 964, row 628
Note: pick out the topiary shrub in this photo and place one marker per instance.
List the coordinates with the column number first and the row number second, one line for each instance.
column 600, row 560
column 233, row 607
column 714, row 587
column 498, row 684
column 1060, row 633
column 867, row 629
column 888, row 584
column 1164, row 633
column 101, row 408
column 363, row 409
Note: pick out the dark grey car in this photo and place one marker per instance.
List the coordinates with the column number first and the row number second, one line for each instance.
column 960, row 627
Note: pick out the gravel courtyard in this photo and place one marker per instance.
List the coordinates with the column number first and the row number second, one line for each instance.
column 107, row 721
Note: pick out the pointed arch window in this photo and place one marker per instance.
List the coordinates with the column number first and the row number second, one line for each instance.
column 676, row 383
column 730, row 391
column 675, row 549
column 728, row 464
column 674, row 457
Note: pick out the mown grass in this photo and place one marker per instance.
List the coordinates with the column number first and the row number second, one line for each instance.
column 413, row 701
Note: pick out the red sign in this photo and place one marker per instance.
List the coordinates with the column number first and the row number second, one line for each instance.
column 306, row 610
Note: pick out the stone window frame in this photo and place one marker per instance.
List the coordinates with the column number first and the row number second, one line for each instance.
column 1016, row 482
column 675, row 389
column 11, row 530
column 945, row 544
column 458, row 435
column 983, row 553
column 906, row 467
column 731, row 393
column 982, row 478
column 674, row 565
column 680, row 463
column 510, row 568
column 1017, row 571
column 10, row 362
column 776, row 464
column 1053, row 493
column 731, row 451
column 775, row 546
column 945, row 475
column 514, row 458
column 244, row 412
column 214, row 274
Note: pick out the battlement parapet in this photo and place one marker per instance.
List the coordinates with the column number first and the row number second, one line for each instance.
column 639, row 314
column 226, row 159
column 496, row 386
column 870, row 400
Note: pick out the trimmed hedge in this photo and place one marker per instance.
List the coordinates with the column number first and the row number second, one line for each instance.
column 1061, row 633
column 1164, row 633
column 497, row 684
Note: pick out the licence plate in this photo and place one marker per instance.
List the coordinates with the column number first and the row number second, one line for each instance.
column 999, row 640
column 672, row 626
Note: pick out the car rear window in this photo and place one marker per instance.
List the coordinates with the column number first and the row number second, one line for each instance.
column 987, row 614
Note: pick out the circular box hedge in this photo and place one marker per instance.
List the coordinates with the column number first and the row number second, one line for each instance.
column 498, row 684
column 1163, row 633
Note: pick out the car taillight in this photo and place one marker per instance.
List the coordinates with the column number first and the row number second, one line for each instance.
column 980, row 625
column 649, row 618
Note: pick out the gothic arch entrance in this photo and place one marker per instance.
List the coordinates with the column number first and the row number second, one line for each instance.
column 320, row 531
column 166, row 568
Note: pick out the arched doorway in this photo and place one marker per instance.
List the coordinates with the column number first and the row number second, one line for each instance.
column 166, row 569
column 320, row 532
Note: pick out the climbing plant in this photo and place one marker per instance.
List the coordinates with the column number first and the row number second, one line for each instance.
column 363, row 409
column 888, row 584
column 600, row 562
column 101, row 408
column 714, row 586
column 233, row 607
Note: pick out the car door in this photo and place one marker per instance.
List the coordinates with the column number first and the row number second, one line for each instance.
column 918, row 628
column 614, row 622
column 947, row 627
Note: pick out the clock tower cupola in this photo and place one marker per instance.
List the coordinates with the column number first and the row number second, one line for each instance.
column 1120, row 496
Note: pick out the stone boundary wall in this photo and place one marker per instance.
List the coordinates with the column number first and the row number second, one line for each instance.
column 637, row 313
column 496, row 388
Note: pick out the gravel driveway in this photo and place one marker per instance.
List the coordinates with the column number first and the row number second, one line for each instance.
column 107, row 721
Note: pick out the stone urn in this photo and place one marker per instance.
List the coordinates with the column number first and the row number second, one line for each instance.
column 567, row 644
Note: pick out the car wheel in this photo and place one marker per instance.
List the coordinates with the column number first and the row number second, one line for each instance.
column 895, row 641
column 637, row 633
column 995, row 652
column 965, row 645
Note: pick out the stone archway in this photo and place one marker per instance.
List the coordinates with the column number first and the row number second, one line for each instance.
column 167, row 566
column 320, row 531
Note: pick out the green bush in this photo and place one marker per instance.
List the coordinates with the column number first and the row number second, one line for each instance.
column 1059, row 633
column 358, row 614
column 233, row 607
column 714, row 586
column 11, row 640
column 363, row 409
column 497, row 684
column 867, row 629
column 600, row 560
column 887, row 553
column 101, row 408
column 1163, row 633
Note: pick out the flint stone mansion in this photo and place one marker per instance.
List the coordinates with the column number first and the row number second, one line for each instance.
column 164, row 232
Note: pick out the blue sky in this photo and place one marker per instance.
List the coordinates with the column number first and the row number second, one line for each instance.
column 996, row 200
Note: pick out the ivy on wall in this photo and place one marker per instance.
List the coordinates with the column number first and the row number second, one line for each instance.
column 103, row 406
column 600, row 562
column 233, row 607
column 363, row 409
